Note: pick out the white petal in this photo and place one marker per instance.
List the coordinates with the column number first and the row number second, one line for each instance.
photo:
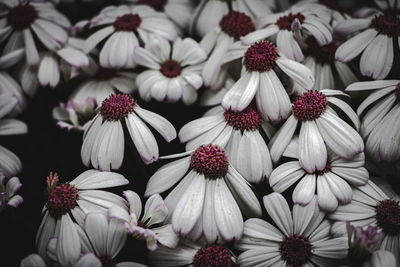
column 297, row 71
column 68, row 244
column 326, row 199
column 96, row 226
column 155, row 211
column 279, row 211
column 88, row 260
column 312, row 150
column 33, row 260
column 259, row 34
column 94, row 179
column 282, row 138
column 289, row 46
column 210, row 229
column 31, row 52
column 96, row 38
column 285, row 175
column 305, row 190
column 355, row 45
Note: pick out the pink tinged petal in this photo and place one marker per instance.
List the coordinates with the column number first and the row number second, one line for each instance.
column 348, row 26
column 168, row 175
column 272, row 99
column 289, row 46
column 12, row 186
column 94, row 179
column 31, row 52
column 189, row 207
column 33, row 260
column 282, row 138
column 297, row 71
column 49, row 72
column 322, row 32
column 260, row 34
column 312, row 149
column 228, row 217
column 143, row 139
column 326, row 199
column 51, row 35
column 339, row 136
column 334, row 248
column 96, row 226
column 118, row 213
column 377, row 59
column 89, row 137
column 116, row 237
column 155, row 211
column 305, row 190
column 347, row 110
column 15, row 201
column 242, row 92
column 340, row 188
column 134, row 201
column 10, row 164
column 260, row 257
column 303, row 215
column 88, row 260
column 111, row 150
column 210, row 229
column 73, row 56
column 174, row 89
column 96, row 38
column 145, row 58
column 285, row 175
column 381, row 258
column 279, row 211
column 355, row 45
column 243, row 194
column 166, row 236
column 68, row 244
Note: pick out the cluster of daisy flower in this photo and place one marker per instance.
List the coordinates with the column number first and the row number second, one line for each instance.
column 296, row 161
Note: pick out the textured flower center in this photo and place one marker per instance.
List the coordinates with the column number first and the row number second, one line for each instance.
column 295, row 250
column 117, row 107
column 310, row 105
column 212, row 256
column 388, row 216
column 285, row 22
column 21, row 16
column 156, row 4
column 322, row 54
column 105, row 74
column 261, row 56
column 246, row 120
column 236, row 24
column 325, row 170
column 171, row 68
column 210, row 160
column 127, row 23
column 62, row 199
column 141, row 224
column 388, row 24
column 107, row 261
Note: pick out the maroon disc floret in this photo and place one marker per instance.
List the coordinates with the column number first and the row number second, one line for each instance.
column 107, row 261
column 322, row 54
column 105, row 74
column 310, row 106
column 387, row 23
column 210, row 160
column 388, row 216
column 325, row 170
column 127, row 23
column 156, row 4
column 212, row 256
column 246, row 120
column 261, row 56
column 62, row 199
column 285, row 22
column 295, row 250
column 236, row 24
column 22, row 16
column 141, row 224
column 117, row 107
column 171, row 68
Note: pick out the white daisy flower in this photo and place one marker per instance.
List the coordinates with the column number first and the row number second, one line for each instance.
column 75, row 198
column 103, row 140
column 296, row 23
column 178, row 11
column 29, row 24
column 301, row 237
column 75, row 115
column 7, row 192
column 210, row 198
column 35, row 260
column 374, row 39
column 10, row 164
column 244, row 145
column 320, row 127
column 260, row 80
column 174, row 72
column 219, row 41
column 142, row 227
column 371, row 206
column 332, row 184
column 379, row 114
column 188, row 253
column 208, row 14
column 125, row 27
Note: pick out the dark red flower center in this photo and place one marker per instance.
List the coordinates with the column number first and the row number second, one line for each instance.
column 117, row 107
column 322, row 172
column 107, row 261
column 246, row 120
column 310, row 105
column 236, row 24
column 22, row 16
column 141, row 224
column 285, row 22
column 156, row 4
column 210, row 160
column 127, row 23
column 171, row 68
column 62, row 199
column 322, row 54
column 105, row 74
column 388, row 216
column 261, row 56
column 387, row 23
column 212, row 256
column 295, row 250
